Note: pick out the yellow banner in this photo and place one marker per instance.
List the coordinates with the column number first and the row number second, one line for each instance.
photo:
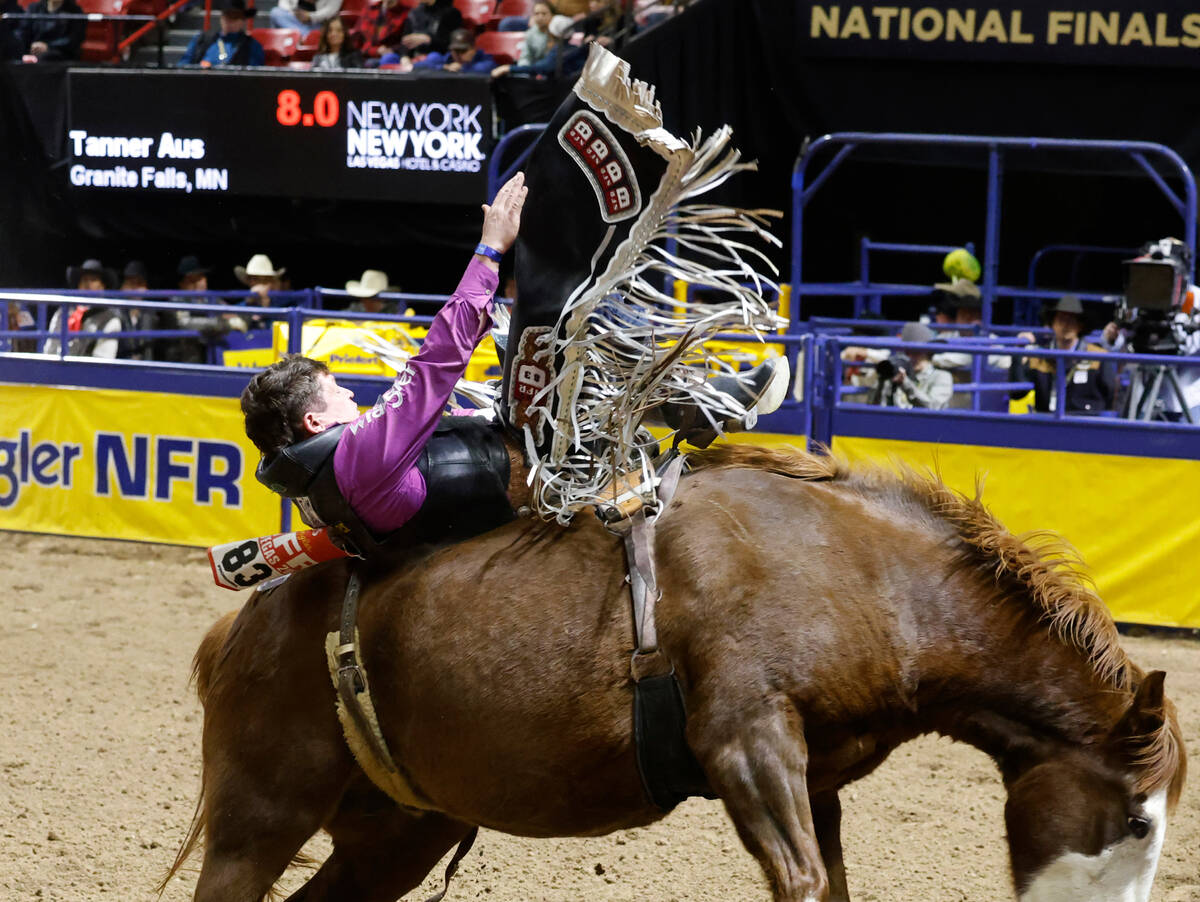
column 129, row 465
column 1129, row 517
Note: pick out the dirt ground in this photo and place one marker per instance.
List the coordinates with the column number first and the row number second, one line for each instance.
column 99, row 752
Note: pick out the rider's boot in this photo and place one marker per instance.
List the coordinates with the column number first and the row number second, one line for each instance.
column 757, row 391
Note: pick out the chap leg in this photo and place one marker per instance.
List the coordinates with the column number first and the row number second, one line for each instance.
column 827, row 820
column 380, row 850
column 756, row 764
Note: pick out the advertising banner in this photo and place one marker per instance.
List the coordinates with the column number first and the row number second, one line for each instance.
column 1121, row 513
column 1100, row 32
column 129, row 465
column 363, row 136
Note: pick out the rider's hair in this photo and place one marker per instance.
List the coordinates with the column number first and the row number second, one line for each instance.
column 276, row 400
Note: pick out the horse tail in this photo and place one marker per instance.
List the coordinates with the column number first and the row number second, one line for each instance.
column 204, row 667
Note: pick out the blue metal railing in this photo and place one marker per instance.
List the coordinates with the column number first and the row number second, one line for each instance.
column 803, row 189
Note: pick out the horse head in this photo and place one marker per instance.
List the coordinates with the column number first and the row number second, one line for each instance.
column 1086, row 823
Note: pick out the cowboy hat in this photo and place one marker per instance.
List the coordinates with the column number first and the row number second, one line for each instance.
column 259, row 266
column 373, row 282
column 918, row 333
column 91, row 267
column 1068, row 303
column 191, row 264
column 959, row 292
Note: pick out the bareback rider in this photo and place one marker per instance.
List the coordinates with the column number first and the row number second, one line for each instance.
column 362, row 471
column 402, row 470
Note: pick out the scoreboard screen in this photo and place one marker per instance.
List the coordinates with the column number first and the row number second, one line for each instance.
column 369, row 136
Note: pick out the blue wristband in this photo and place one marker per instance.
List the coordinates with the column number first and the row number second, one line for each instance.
column 490, row 252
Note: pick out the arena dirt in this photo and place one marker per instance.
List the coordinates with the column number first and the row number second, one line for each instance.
column 99, row 753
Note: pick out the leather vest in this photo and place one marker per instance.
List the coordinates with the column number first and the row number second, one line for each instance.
column 466, row 470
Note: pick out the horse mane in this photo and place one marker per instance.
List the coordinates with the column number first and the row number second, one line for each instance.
column 1037, row 567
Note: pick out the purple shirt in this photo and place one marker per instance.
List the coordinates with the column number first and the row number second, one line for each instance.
column 375, row 460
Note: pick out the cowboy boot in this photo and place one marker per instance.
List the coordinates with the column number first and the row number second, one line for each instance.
column 756, row 391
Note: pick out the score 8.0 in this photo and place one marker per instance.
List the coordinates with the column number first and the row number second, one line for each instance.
column 325, row 110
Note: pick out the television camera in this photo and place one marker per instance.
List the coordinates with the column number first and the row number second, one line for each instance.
column 1156, row 306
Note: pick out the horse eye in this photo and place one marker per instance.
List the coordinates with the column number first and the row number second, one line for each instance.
column 1139, row 826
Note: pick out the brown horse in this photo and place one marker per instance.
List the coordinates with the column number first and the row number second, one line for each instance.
column 817, row 618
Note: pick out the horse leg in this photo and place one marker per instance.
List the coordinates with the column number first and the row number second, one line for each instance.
column 757, row 766
column 255, row 827
column 827, row 820
column 380, row 850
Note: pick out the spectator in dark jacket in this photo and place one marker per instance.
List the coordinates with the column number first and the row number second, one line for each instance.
column 428, row 27
column 1090, row 383
column 229, row 44
column 464, row 56
column 53, row 38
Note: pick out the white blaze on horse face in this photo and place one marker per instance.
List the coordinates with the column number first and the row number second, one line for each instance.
column 1123, row 872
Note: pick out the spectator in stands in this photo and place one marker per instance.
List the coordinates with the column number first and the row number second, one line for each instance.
column 602, row 23
column 463, row 56
column 53, row 38
column 335, row 52
column 926, row 386
column 92, row 275
column 306, row 16
column 428, row 28
column 1090, row 384
column 537, row 41
column 366, row 292
column 193, row 276
column 962, row 302
column 228, row 44
column 20, row 320
column 379, row 30
column 261, row 277
column 561, row 58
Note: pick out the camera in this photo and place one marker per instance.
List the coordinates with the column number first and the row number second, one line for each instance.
column 889, row 366
column 1155, row 285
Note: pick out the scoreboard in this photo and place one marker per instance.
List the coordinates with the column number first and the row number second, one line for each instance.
column 281, row 133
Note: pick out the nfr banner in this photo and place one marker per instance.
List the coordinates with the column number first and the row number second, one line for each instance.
column 129, row 465
column 1116, row 32
column 289, row 134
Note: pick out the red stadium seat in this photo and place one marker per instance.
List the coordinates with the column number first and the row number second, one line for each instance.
column 505, row 46
column 100, row 41
column 512, row 8
column 476, row 13
column 307, row 48
column 280, row 44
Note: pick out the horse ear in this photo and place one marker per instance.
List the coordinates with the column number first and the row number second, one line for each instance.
column 1146, row 713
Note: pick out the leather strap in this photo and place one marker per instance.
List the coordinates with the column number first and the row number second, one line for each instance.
column 459, row 854
column 351, row 683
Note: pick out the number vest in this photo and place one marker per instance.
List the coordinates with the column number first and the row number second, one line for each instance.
column 466, row 471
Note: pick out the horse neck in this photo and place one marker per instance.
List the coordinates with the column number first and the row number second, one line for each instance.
column 1021, row 674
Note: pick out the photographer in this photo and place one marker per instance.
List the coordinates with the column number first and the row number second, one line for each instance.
column 1157, row 316
column 1090, row 385
column 912, row 380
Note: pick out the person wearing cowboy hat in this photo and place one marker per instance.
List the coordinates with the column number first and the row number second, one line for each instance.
column 261, row 276
column 227, row 44
column 962, row 302
column 367, row 290
column 91, row 275
column 1091, row 385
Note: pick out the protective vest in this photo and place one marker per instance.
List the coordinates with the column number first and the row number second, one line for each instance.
column 466, row 471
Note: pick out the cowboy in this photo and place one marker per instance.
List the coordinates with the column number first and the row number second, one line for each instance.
column 1090, row 385
column 367, row 475
column 366, row 291
column 402, row 470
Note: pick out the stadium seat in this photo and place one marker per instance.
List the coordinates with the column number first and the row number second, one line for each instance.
column 307, row 47
column 476, row 13
column 100, row 41
column 280, row 44
column 507, row 8
column 505, row 46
